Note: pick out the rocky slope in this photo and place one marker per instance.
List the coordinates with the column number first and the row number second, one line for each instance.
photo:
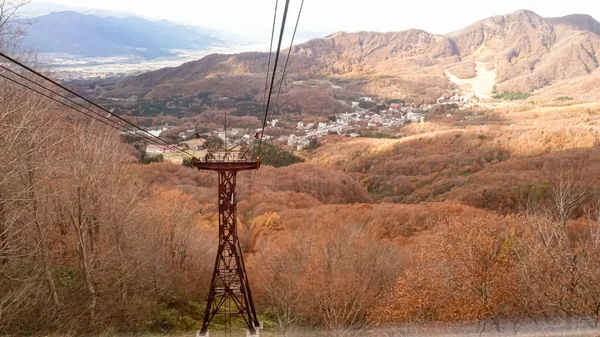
column 530, row 52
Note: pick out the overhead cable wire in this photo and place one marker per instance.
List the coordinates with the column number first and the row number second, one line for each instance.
column 118, row 126
column 288, row 56
column 72, row 92
column 86, row 100
column 103, row 119
column 285, row 11
column 60, row 95
column 55, row 100
column 94, row 115
column 268, row 72
column 270, row 52
column 100, row 120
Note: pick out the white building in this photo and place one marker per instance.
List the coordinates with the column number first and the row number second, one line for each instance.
column 291, row 140
column 413, row 117
column 152, row 149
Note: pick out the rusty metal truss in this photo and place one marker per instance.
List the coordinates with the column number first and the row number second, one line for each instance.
column 230, row 291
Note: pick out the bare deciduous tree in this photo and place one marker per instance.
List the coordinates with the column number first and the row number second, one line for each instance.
column 567, row 189
column 12, row 25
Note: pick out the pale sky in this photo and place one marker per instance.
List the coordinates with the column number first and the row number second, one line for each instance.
column 254, row 17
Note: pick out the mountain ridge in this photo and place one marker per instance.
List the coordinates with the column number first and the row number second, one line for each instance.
column 526, row 51
column 97, row 36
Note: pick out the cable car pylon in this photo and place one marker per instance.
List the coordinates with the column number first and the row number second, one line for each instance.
column 229, row 286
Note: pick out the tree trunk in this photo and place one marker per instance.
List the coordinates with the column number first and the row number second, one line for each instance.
column 3, row 232
column 83, row 257
column 42, row 237
column 87, row 274
column 46, row 264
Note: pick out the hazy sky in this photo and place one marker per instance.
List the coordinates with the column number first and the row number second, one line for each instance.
column 253, row 17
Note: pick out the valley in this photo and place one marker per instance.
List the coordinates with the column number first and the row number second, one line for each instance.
column 108, row 46
column 411, row 184
column 488, row 58
column 75, row 67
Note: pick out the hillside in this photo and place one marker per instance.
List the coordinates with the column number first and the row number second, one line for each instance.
column 445, row 208
column 526, row 52
column 108, row 36
column 482, row 221
column 531, row 52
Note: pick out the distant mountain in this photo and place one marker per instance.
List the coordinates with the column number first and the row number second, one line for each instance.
column 39, row 8
column 93, row 36
column 531, row 52
column 524, row 50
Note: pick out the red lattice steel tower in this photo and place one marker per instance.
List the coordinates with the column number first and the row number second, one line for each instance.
column 229, row 285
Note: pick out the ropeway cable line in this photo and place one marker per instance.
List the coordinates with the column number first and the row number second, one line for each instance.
column 275, row 66
column 102, row 119
column 57, row 94
column 285, row 11
column 270, row 52
column 288, row 56
column 56, row 100
column 147, row 136
column 76, row 94
column 96, row 115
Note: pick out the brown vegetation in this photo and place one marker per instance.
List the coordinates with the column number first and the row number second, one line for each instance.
column 499, row 272
column 83, row 241
column 492, row 219
column 463, row 70
column 91, row 240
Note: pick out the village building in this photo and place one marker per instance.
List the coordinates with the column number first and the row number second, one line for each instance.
column 291, row 140
column 152, row 149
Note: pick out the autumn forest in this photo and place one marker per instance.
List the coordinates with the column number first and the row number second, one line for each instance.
column 91, row 239
column 482, row 219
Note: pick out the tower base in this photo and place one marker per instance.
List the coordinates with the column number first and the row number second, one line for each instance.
column 229, row 285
